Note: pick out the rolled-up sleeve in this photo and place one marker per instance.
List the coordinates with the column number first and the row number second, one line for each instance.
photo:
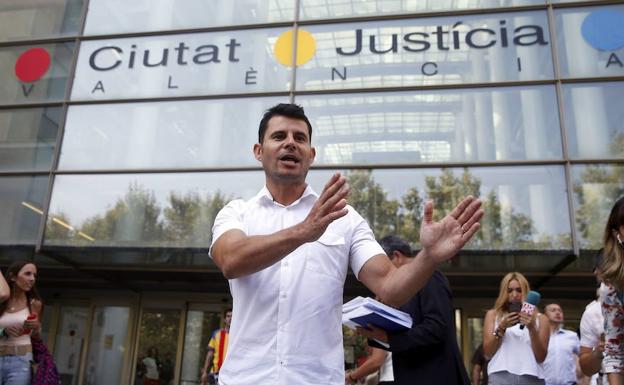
column 229, row 217
column 363, row 243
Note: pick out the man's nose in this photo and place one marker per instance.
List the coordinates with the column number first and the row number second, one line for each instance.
column 290, row 140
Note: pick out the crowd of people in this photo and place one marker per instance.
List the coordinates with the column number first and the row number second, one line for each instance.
column 519, row 346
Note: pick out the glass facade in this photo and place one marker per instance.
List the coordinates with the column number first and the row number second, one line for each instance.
column 126, row 126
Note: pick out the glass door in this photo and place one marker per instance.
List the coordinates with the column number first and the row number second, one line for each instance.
column 69, row 342
column 108, row 355
column 158, row 345
column 201, row 321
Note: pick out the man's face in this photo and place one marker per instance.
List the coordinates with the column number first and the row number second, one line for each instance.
column 227, row 320
column 285, row 152
column 554, row 313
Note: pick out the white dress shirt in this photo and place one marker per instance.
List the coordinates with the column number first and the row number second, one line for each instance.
column 286, row 320
column 592, row 326
column 560, row 363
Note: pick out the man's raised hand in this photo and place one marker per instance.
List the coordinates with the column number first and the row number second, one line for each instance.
column 442, row 240
column 331, row 205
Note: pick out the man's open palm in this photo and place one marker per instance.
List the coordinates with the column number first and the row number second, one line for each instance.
column 442, row 240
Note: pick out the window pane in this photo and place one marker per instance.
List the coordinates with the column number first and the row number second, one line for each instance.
column 160, row 210
column 122, row 16
column 21, row 19
column 525, row 207
column 177, row 65
column 435, row 126
column 180, row 134
column 34, row 73
column 323, row 9
column 525, row 212
column 594, row 119
column 28, row 138
column 444, row 50
column 108, row 356
column 596, row 188
column 590, row 42
column 21, row 200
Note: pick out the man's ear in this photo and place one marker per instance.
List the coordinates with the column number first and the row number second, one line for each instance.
column 313, row 155
column 257, row 150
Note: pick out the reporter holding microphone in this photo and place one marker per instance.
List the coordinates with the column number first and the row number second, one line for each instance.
column 515, row 340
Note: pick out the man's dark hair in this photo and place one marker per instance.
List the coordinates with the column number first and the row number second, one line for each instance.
column 391, row 243
column 288, row 110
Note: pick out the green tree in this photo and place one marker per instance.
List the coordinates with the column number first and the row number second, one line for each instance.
column 389, row 216
column 371, row 201
column 597, row 190
column 57, row 227
column 134, row 217
column 188, row 219
column 410, row 215
column 447, row 190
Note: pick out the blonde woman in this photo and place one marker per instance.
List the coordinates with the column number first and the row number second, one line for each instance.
column 612, row 273
column 516, row 353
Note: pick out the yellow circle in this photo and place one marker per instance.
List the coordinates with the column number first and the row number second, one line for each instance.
column 306, row 47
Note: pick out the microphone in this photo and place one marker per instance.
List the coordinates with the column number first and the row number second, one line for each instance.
column 532, row 300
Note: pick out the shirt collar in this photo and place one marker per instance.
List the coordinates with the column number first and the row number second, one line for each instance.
column 264, row 195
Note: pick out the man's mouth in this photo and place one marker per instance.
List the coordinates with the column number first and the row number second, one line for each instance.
column 289, row 159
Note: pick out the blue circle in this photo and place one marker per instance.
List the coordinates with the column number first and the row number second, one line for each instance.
column 604, row 30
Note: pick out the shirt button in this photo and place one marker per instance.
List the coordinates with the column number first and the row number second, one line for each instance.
column 285, row 263
column 283, row 295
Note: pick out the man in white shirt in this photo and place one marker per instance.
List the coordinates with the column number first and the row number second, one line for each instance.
column 592, row 332
column 563, row 349
column 286, row 253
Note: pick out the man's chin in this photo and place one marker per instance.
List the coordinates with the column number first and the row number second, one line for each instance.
column 290, row 177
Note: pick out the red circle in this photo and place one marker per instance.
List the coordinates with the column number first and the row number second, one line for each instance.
column 32, row 64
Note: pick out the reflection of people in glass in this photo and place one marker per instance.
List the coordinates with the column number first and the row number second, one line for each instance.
column 510, row 334
column 287, row 251
column 151, row 367
column 166, row 369
column 19, row 320
column 217, row 348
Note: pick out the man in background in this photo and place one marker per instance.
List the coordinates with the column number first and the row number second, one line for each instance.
column 563, row 349
column 479, row 367
column 217, row 348
column 428, row 352
column 592, row 333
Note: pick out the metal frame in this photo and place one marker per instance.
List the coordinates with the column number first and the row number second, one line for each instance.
column 292, row 93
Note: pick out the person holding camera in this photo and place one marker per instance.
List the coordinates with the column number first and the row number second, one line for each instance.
column 515, row 342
